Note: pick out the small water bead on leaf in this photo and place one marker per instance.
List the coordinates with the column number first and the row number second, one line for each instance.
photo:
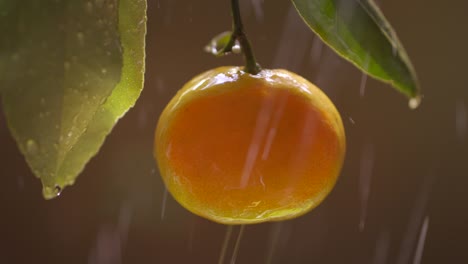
column 32, row 147
column 80, row 36
column 89, row 7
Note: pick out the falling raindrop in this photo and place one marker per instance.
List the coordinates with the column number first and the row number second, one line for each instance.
column 415, row 219
column 362, row 86
column 80, row 37
column 224, row 247
column 164, row 202
column 235, row 252
column 99, row 2
column 258, row 9
column 290, row 52
column 273, row 240
column 461, row 122
column 382, row 246
column 89, row 7
column 227, row 238
column 422, row 240
column 108, row 248
column 367, row 164
column 160, row 85
column 20, row 182
column 124, row 222
column 316, row 50
column 191, row 238
column 261, row 126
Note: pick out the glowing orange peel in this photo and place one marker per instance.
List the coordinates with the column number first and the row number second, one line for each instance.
column 238, row 148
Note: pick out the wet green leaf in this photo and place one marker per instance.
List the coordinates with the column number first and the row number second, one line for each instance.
column 73, row 69
column 358, row 31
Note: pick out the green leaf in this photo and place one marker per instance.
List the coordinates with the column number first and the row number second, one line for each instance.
column 7, row 13
column 73, row 69
column 358, row 31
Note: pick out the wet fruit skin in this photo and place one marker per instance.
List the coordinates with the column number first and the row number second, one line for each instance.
column 238, row 148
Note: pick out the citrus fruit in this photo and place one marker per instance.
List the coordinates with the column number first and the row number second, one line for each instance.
column 238, row 148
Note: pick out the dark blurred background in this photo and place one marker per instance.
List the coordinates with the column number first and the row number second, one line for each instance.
column 402, row 193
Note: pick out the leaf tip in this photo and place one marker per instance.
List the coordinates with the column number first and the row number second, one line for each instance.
column 51, row 192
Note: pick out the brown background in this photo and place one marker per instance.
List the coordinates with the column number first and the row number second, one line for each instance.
column 413, row 162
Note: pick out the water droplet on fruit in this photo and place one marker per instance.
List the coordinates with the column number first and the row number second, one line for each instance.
column 32, row 147
column 414, row 102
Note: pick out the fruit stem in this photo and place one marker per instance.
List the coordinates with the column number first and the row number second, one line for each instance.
column 251, row 65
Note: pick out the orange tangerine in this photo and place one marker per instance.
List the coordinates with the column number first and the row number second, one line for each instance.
column 238, row 148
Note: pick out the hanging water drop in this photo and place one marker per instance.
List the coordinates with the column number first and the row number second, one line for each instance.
column 51, row 192
column 236, row 49
column 414, row 102
column 57, row 190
